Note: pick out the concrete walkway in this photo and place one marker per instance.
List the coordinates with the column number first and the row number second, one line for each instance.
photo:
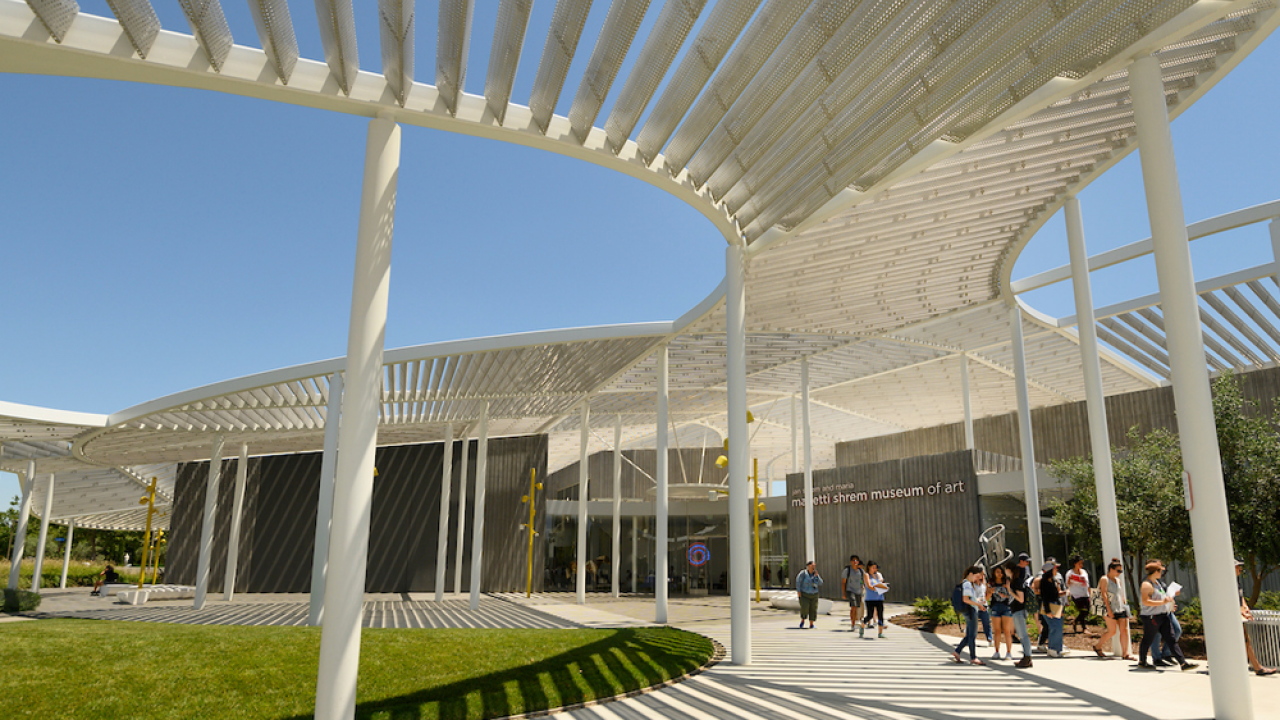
column 830, row 672
column 827, row 672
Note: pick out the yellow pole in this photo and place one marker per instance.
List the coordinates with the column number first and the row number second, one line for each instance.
column 533, row 486
column 150, row 501
column 155, row 558
column 755, row 509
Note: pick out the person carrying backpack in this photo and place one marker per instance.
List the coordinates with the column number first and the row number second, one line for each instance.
column 852, row 589
column 1018, row 606
column 973, row 602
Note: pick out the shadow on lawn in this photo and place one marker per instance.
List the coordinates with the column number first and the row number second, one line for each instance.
column 631, row 659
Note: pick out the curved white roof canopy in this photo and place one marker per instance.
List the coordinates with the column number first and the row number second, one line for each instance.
column 885, row 160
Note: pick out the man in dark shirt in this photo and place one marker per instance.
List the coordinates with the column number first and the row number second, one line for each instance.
column 1051, row 606
column 1021, row 577
column 105, row 577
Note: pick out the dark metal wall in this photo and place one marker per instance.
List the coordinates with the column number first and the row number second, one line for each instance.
column 1060, row 431
column 922, row 543
column 278, row 525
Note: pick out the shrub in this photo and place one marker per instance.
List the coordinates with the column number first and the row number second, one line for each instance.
column 1191, row 617
column 1269, row 600
column 937, row 611
column 20, row 600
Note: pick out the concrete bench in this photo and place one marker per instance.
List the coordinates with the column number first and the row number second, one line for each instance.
column 134, row 596
column 791, row 601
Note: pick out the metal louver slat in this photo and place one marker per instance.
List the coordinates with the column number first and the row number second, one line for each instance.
column 275, row 32
column 557, row 54
column 55, row 15
column 709, row 48
column 139, row 21
column 396, row 26
column 209, row 25
column 338, row 36
column 1240, row 324
column 620, row 27
column 673, row 26
column 1230, row 360
column 797, row 57
column 1208, row 321
column 763, row 36
column 504, row 57
column 453, row 37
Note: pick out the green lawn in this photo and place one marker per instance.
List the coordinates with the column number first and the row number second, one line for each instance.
column 103, row 669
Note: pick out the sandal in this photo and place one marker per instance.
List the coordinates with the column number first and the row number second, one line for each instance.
column 956, row 657
column 976, row 661
column 1266, row 671
column 1126, row 657
column 1099, row 651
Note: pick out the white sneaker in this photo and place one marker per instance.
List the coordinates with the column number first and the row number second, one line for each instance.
column 1064, row 651
column 1052, row 653
column 1008, row 656
column 996, row 656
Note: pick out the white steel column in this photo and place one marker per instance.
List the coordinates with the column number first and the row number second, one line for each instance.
column 66, row 552
column 462, row 509
column 740, row 495
column 44, row 536
column 324, row 507
column 206, row 527
column 580, row 579
column 237, row 509
column 1274, row 227
column 1197, row 433
column 615, row 563
column 968, row 401
column 810, row 544
column 20, row 533
column 1030, row 486
column 1099, row 436
column 477, row 521
column 358, row 431
column 442, row 538
column 635, row 531
column 660, row 510
column 795, row 437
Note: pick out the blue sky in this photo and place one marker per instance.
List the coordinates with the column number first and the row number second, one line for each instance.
column 157, row 239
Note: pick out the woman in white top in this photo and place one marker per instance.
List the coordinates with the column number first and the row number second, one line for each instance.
column 1111, row 588
column 1154, row 610
column 1078, row 590
column 973, row 602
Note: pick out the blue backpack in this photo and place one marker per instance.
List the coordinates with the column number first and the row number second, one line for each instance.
column 957, row 600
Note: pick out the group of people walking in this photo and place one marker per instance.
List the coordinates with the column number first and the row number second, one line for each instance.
column 860, row 586
column 1000, row 600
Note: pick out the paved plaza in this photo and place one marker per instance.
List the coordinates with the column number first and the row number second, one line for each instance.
column 827, row 672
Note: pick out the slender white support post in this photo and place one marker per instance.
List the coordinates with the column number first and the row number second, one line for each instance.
column 358, row 431
column 1030, row 486
column 1099, row 436
column 615, row 561
column 66, row 552
column 1274, row 227
column 324, row 507
column 810, row 544
column 740, row 489
column 442, row 537
column 462, row 510
column 44, row 536
column 580, row 580
column 968, row 401
column 661, row 508
column 237, row 509
column 477, row 522
column 1197, row 433
column 206, row 527
column 635, row 532
column 795, row 437
column 20, row 533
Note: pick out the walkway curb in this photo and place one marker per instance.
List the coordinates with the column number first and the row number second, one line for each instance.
column 717, row 655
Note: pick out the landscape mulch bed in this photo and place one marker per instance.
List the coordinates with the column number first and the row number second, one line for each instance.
column 1192, row 645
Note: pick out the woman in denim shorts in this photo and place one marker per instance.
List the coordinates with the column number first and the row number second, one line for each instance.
column 999, row 595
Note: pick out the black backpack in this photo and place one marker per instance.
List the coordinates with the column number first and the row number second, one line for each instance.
column 957, row 600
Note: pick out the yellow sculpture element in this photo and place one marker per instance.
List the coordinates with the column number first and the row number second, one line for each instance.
column 150, row 501
column 155, row 562
column 534, row 486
